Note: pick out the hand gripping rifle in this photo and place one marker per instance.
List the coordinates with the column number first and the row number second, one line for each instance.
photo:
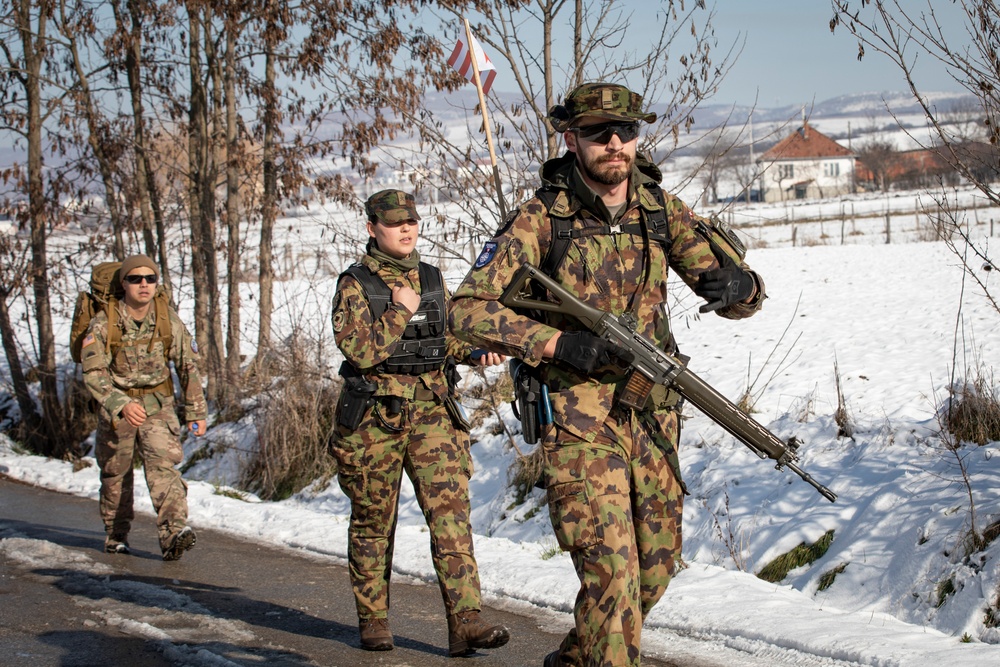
column 652, row 366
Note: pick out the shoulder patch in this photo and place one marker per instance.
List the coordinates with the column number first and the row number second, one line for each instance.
column 88, row 340
column 487, row 255
column 339, row 319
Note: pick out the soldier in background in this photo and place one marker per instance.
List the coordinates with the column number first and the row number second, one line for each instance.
column 125, row 359
column 603, row 227
column 397, row 411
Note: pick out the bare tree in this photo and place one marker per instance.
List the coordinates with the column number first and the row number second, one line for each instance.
column 76, row 25
column 137, row 23
column 879, row 156
column 25, row 44
column 962, row 120
column 13, row 270
column 274, row 33
column 675, row 72
column 232, row 29
column 202, row 176
column 908, row 35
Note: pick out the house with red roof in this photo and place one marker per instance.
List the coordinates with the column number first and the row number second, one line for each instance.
column 806, row 164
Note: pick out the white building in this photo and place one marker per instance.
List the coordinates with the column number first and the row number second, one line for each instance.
column 806, row 164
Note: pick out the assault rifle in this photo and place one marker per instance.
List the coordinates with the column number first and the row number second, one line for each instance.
column 652, row 366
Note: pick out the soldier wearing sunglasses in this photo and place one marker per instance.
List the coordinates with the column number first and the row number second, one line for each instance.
column 602, row 226
column 125, row 356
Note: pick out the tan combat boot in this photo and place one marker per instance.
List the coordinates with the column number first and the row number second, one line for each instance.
column 375, row 634
column 116, row 543
column 467, row 632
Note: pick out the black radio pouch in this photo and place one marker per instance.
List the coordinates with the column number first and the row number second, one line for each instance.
column 527, row 399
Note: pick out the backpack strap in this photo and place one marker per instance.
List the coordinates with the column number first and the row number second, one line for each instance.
column 559, row 243
column 376, row 291
column 654, row 221
column 430, row 278
column 162, row 330
column 114, row 331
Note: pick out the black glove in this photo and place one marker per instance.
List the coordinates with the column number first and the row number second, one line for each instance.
column 586, row 352
column 723, row 286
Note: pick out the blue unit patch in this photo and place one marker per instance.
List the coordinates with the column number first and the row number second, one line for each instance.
column 488, row 253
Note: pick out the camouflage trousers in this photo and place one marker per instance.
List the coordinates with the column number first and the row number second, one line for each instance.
column 158, row 444
column 435, row 456
column 615, row 505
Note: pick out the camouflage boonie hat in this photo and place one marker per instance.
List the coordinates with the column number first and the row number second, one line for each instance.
column 598, row 100
column 392, row 206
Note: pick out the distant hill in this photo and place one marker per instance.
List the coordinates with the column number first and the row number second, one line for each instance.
column 452, row 106
column 862, row 105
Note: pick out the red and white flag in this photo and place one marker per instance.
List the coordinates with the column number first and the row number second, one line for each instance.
column 461, row 60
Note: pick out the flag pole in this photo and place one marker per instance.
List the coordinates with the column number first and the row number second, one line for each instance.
column 486, row 119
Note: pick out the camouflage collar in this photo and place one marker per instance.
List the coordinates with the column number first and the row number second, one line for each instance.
column 562, row 174
column 380, row 259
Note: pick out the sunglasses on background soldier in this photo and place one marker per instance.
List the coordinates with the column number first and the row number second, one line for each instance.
column 135, row 280
column 602, row 133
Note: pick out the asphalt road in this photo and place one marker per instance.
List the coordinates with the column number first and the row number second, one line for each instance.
column 226, row 603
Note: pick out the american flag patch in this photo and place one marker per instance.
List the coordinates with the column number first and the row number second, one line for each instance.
column 88, row 340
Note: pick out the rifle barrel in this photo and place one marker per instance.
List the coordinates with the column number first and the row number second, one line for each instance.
column 660, row 367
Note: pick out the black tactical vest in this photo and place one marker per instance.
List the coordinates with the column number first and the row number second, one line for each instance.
column 423, row 345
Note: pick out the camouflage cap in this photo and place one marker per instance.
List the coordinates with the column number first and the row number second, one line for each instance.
column 392, row 206
column 598, row 100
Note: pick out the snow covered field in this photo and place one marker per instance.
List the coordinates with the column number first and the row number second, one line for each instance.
column 890, row 320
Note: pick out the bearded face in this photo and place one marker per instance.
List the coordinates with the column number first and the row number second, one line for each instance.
column 609, row 169
column 601, row 153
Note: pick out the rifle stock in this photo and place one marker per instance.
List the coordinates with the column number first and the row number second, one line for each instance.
column 652, row 366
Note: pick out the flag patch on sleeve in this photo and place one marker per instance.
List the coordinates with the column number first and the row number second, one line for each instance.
column 488, row 253
column 88, row 340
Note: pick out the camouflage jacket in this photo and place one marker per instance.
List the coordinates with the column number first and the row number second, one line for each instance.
column 135, row 365
column 606, row 271
column 365, row 343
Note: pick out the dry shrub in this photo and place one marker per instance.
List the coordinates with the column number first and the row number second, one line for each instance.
column 487, row 396
column 524, row 473
column 845, row 425
column 991, row 533
column 79, row 410
column 735, row 540
column 294, row 420
column 973, row 413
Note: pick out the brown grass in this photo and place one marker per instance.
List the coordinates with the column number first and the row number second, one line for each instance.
column 294, row 420
column 525, row 472
column 79, row 411
column 973, row 413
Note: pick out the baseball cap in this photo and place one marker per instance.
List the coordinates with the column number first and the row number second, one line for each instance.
column 392, row 206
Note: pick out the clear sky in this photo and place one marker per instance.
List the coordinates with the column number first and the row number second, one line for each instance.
column 790, row 57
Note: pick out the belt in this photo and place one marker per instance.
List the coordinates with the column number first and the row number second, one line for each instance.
column 166, row 388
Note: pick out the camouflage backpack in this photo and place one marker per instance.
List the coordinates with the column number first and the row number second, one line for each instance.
column 104, row 294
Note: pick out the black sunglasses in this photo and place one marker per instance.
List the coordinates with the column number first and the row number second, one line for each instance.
column 135, row 280
column 602, row 133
